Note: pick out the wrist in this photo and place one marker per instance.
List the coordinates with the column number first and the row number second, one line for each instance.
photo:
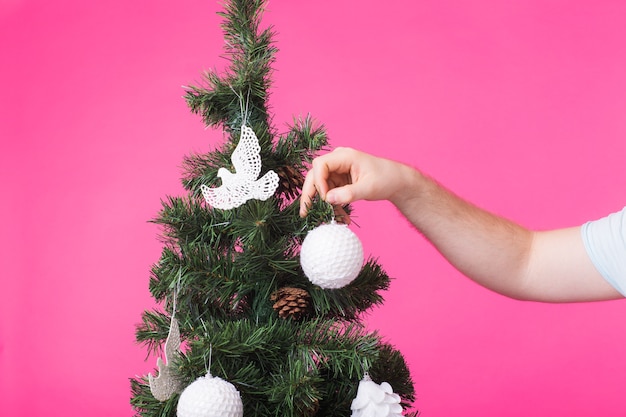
column 410, row 186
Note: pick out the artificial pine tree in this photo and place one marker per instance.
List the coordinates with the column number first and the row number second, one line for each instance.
column 232, row 278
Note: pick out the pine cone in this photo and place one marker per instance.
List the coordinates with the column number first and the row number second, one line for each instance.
column 291, row 302
column 290, row 181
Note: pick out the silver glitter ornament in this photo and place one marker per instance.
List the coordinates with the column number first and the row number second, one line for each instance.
column 210, row 396
column 167, row 383
column 331, row 255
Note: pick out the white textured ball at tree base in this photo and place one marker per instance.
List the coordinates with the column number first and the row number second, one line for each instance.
column 210, row 396
column 331, row 255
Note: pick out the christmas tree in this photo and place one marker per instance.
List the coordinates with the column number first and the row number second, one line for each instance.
column 237, row 305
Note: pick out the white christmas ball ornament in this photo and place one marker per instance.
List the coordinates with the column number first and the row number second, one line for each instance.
column 210, row 396
column 331, row 255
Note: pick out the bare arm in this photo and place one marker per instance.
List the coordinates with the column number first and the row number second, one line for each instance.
column 495, row 252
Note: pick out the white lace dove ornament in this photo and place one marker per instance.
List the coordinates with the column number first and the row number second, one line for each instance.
column 167, row 383
column 373, row 400
column 245, row 183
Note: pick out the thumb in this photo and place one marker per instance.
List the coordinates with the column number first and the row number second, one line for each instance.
column 341, row 195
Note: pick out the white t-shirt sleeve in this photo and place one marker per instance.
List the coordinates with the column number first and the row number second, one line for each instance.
column 605, row 241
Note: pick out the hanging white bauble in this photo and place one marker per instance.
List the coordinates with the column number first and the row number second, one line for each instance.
column 373, row 400
column 210, row 396
column 331, row 255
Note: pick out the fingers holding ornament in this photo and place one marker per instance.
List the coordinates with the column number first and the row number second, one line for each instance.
column 318, row 181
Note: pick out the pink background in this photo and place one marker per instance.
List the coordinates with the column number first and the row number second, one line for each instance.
column 517, row 106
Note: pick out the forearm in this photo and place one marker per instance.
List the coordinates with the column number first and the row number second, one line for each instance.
column 491, row 250
column 550, row 266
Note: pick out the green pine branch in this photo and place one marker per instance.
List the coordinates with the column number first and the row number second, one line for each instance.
column 246, row 83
